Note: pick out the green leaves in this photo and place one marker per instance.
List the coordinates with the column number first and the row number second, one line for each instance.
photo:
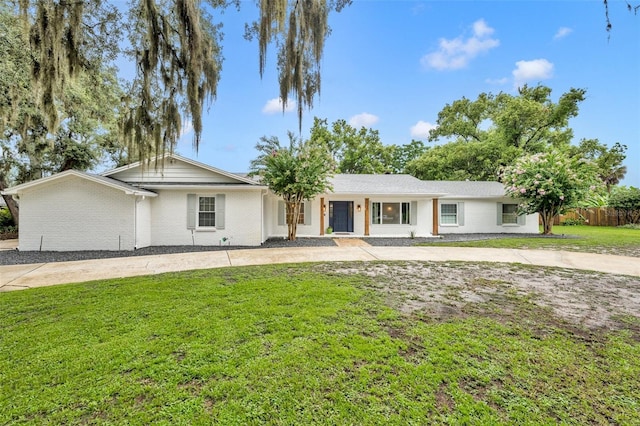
column 627, row 200
column 549, row 183
column 354, row 151
column 493, row 130
column 296, row 173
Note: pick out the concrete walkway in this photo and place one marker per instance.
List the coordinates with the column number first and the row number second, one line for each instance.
column 8, row 244
column 17, row 277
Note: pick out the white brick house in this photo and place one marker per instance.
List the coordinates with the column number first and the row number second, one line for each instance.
column 183, row 202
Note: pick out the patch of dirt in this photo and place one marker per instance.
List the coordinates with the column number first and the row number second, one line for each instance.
column 581, row 299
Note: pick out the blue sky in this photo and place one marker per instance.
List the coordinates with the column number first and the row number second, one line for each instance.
column 393, row 65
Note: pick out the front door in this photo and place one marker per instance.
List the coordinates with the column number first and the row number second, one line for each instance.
column 341, row 216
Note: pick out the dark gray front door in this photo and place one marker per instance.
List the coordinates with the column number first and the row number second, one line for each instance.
column 341, row 216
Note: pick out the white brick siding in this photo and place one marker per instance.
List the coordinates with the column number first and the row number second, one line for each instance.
column 76, row 214
column 480, row 216
column 143, row 222
column 243, row 218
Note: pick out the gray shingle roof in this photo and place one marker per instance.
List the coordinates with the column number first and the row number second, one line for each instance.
column 380, row 185
column 409, row 185
column 95, row 178
column 466, row 189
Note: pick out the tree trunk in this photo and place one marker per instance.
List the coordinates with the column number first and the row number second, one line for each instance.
column 292, row 214
column 11, row 204
column 547, row 222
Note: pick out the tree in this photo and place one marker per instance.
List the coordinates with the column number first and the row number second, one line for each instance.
column 608, row 160
column 549, row 183
column 462, row 160
column 86, row 111
column 354, row 151
column 296, row 173
column 627, row 201
column 402, row 155
column 630, row 7
column 494, row 130
column 177, row 50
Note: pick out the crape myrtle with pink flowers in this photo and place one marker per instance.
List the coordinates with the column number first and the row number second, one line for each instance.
column 550, row 183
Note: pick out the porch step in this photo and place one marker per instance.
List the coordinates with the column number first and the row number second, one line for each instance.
column 350, row 242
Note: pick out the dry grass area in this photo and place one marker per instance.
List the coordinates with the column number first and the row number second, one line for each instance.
column 586, row 300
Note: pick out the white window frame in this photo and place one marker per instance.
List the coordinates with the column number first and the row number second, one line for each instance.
column 214, row 211
column 449, row 214
column 402, row 220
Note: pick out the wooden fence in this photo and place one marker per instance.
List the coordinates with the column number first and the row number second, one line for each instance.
column 594, row 216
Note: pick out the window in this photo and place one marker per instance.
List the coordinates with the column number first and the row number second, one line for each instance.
column 390, row 213
column 301, row 217
column 206, row 212
column 509, row 213
column 449, row 214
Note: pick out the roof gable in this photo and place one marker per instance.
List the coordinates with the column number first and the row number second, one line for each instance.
column 127, row 189
column 174, row 169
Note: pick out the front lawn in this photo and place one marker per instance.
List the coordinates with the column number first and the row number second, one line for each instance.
column 595, row 239
column 305, row 345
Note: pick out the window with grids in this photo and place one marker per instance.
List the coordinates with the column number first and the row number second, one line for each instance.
column 509, row 213
column 206, row 212
column 449, row 214
column 300, row 216
column 390, row 213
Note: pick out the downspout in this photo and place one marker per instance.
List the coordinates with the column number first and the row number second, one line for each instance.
column 137, row 200
column 434, row 218
column 263, row 193
column 135, row 222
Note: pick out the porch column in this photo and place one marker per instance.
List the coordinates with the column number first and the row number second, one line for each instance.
column 321, row 216
column 434, row 230
column 366, row 217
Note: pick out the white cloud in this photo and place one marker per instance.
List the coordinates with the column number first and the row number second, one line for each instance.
column 421, row 129
column 186, row 132
column 274, row 106
column 458, row 52
column 537, row 69
column 481, row 29
column 562, row 32
column 363, row 120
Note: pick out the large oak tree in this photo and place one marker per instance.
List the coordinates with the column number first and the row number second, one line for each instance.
column 176, row 46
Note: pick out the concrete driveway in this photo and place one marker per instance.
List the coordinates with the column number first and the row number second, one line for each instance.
column 17, row 277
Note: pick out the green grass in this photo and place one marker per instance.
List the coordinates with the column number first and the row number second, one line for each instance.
column 286, row 345
column 597, row 239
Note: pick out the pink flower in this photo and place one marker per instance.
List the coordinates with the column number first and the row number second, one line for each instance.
column 523, row 190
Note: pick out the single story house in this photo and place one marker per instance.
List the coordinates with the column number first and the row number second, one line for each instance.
column 179, row 201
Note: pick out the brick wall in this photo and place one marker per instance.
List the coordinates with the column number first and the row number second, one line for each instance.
column 76, row 214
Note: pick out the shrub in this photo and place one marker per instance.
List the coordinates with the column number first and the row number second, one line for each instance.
column 627, row 201
column 6, row 220
column 573, row 221
column 630, row 226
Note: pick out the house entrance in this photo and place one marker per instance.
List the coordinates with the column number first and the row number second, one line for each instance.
column 341, row 216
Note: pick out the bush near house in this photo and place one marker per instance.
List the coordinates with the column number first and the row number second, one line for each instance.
column 7, row 229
